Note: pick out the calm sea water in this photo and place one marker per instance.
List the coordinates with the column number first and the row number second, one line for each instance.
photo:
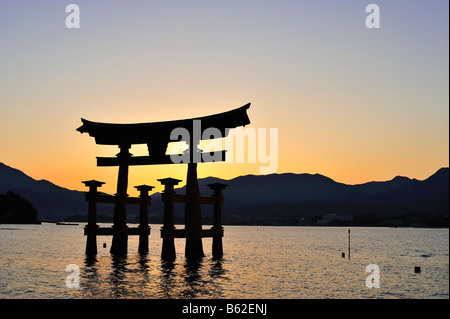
column 259, row 262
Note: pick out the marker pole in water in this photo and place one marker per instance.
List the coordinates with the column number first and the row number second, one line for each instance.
column 349, row 244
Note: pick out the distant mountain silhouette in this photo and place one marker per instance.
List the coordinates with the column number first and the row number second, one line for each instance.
column 306, row 195
column 289, row 188
column 257, row 195
column 50, row 200
column 428, row 196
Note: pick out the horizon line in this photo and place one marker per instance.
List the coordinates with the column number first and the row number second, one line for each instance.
column 285, row 173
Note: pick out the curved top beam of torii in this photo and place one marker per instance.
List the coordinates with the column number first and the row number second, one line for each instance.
column 144, row 133
column 157, row 134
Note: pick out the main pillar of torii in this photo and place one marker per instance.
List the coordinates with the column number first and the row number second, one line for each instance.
column 157, row 135
column 193, row 215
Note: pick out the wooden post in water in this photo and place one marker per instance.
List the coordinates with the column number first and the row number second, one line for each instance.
column 144, row 229
column 349, row 244
column 193, row 215
column 120, row 237
column 168, row 229
column 217, row 247
column 91, row 227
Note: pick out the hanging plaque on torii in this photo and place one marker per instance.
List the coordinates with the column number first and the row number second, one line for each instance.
column 157, row 136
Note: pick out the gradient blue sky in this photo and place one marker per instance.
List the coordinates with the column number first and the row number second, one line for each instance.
column 352, row 103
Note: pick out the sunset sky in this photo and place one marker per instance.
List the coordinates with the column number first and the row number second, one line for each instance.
column 349, row 102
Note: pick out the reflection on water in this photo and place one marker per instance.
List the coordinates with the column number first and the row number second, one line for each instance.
column 258, row 262
column 136, row 277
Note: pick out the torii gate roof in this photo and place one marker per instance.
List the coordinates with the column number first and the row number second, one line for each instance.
column 144, row 133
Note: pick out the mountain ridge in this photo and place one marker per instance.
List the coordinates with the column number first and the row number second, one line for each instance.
column 300, row 194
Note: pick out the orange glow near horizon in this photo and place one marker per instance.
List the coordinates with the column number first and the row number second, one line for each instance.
column 303, row 147
column 350, row 103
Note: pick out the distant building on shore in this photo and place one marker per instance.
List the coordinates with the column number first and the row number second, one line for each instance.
column 327, row 219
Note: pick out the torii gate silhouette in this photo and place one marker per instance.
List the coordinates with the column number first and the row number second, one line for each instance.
column 157, row 136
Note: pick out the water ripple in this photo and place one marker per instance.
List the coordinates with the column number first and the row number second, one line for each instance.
column 263, row 262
